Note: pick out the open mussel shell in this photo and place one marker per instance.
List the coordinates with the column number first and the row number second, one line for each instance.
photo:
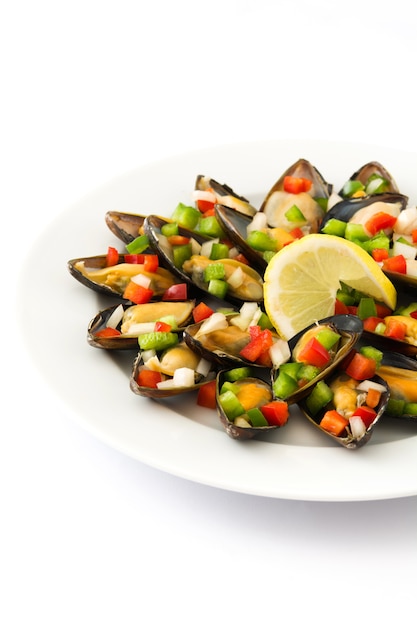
column 164, row 392
column 133, row 316
column 321, row 189
column 400, row 373
column 235, row 225
column 373, row 168
column 390, row 344
column 402, row 282
column 225, row 194
column 347, row 440
column 232, row 428
column 125, row 226
column 94, row 273
column 347, row 209
column 349, row 327
column 251, row 289
column 220, row 346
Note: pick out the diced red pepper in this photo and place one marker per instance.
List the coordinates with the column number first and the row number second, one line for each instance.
column 148, row 378
column 340, row 308
column 379, row 254
column 396, row 329
column 256, row 346
column 370, row 323
column 352, row 309
column 413, row 314
column 395, row 264
column 134, row 258
column 137, row 293
column 295, row 184
column 112, row 257
column 297, row 233
column 205, row 205
column 206, row 395
column 361, row 367
column 201, row 312
column 241, row 259
column 107, row 332
column 380, row 221
column 150, row 262
column 162, row 327
column 382, row 310
column 176, row 292
column 333, row 422
column 414, row 235
column 276, row 412
column 178, row 240
column 366, row 413
column 314, row 353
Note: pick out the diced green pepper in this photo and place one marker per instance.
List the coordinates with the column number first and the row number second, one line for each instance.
column 268, row 254
column 237, row 373
column 231, row 405
column 169, row 229
column 219, row 251
column 366, row 308
column 410, row 408
column 214, row 271
column 334, row 227
column 218, row 288
column 355, row 232
column 157, row 340
column 328, row 337
column 138, row 245
column 318, row 398
column 307, row 372
column 395, row 407
column 295, row 215
column 284, row 385
column 256, row 418
column 351, row 187
column 181, row 253
column 261, row 241
column 264, row 321
column 186, row 216
column 376, row 184
column 228, row 385
column 210, row 227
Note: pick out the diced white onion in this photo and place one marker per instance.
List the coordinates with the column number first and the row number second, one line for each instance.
column 206, row 247
column 233, row 253
column 216, row 321
column 116, row 317
column 165, row 246
column 408, row 252
column 141, row 279
column 236, row 278
column 406, row 221
column 411, row 267
column 153, row 363
column 141, row 328
column 195, row 246
column 203, row 367
column 366, row 385
column 199, row 194
column 258, row 222
column 357, row 426
column 183, row 377
column 279, row 352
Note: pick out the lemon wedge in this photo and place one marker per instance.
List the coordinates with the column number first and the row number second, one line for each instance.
column 302, row 279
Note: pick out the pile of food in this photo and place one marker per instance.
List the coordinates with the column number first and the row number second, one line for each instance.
column 308, row 300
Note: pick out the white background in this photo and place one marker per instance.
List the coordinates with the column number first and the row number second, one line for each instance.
column 91, row 90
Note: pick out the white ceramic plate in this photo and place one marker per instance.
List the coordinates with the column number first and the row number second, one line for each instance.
column 177, row 436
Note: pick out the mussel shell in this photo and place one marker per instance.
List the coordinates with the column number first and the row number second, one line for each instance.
column 235, row 225
column 223, row 192
column 347, row 208
column 125, row 226
column 100, row 262
column 384, row 343
column 349, row 441
column 215, row 354
column 370, row 168
column 403, row 282
column 405, row 362
column 349, row 327
column 156, row 393
column 302, row 168
column 152, row 227
column 127, row 341
column 234, row 431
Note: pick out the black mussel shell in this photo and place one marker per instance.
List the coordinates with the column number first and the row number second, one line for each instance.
column 406, row 383
column 234, row 430
column 235, row 225
column 129, row 341
column 370, row 168
column 96, row 263
column 125, row 226
column 349, row 327
column 348, row 440
column 346, row 209
column 225, row 194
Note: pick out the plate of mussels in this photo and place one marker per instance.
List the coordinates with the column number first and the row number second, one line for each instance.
column 169, row 355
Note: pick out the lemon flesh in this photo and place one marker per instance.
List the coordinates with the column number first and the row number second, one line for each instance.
column 302, row 279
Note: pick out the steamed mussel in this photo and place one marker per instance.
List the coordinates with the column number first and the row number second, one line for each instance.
column 400, row 374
